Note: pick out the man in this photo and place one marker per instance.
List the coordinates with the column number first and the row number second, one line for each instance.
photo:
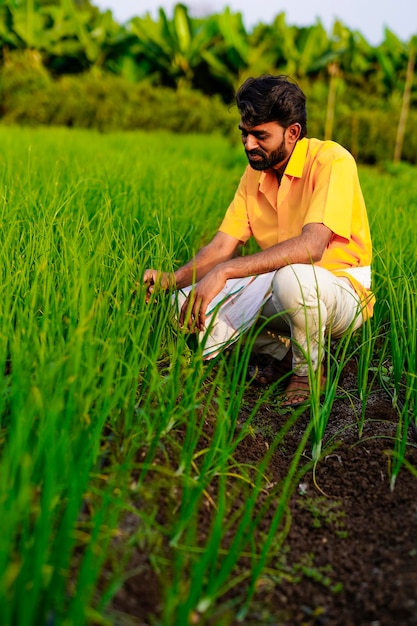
column 301, row 200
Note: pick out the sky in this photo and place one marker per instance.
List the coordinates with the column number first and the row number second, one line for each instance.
column 369, row 17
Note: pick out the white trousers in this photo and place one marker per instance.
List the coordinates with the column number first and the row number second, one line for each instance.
column 301, row 303
column 307, row 302
column 233, row 311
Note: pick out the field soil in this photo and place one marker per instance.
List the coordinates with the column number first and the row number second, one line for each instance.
column 350, row 557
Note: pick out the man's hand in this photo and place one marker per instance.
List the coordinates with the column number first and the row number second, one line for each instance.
column 193, row 311
column 155, row 279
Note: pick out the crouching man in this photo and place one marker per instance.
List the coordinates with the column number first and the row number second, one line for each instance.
column 301, row 200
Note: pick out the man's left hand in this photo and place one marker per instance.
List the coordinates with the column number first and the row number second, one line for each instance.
column 193, row 311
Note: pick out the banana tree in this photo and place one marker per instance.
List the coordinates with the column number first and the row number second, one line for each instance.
column 293, row 50
column 70, row 36
column 27, row 23
column 230, row 57
column 347, row 59
column 9, row 40
column 170, row 50
column 391, row 59
column 268, row 49
column 94, row 38
column 394, row 72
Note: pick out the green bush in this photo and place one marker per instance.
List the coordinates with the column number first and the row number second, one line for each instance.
column 23, row 82
column 29, row 95
column 370, row 135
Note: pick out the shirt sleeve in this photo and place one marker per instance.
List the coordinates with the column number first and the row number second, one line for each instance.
column 335, row 186
column 236, row 221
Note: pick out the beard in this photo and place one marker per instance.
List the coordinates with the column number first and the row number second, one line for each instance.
column 267, row 160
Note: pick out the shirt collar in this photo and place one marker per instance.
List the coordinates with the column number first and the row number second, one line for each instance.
column 297, row 160
column 294, row 167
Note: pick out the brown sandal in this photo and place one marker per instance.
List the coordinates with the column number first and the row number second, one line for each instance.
column 298, row 391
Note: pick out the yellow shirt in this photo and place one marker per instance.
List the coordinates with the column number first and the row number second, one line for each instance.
column 320, row 185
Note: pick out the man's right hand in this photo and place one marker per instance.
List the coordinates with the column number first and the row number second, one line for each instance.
column 155, row 279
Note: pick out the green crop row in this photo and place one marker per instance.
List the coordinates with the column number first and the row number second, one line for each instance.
column 115, row 440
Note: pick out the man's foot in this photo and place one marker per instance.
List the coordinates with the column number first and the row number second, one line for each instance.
column 271, row 370
column 298, row 391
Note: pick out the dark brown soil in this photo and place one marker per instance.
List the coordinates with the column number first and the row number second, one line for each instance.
column 350, row 557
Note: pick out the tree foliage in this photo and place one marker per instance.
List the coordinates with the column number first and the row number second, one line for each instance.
column 340, row 71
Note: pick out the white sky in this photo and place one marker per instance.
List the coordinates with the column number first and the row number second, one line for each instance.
column 367, row 16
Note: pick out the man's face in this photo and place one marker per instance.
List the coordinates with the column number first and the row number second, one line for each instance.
column 265, row 145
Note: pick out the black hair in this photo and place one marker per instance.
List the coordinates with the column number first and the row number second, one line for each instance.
column 272, row 99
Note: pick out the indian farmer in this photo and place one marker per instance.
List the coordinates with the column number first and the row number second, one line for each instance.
column 301, row 200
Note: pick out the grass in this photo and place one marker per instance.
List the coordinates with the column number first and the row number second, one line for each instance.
column 106, row 412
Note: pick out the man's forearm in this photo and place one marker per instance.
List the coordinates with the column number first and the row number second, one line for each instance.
column 259, row 263
column 221, row 249
column 307, row 248
column 196, row 268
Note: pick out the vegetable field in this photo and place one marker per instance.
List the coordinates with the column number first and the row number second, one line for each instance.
column 138, row 484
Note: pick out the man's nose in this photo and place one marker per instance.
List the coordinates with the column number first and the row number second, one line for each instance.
column 250, row 143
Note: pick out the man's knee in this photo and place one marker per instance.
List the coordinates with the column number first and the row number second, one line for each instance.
column 292, row 284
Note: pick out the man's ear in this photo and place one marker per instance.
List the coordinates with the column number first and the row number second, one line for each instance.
column 294, row 132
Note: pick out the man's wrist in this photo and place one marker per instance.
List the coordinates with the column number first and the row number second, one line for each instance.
column 225, row 270
column 181, row 279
